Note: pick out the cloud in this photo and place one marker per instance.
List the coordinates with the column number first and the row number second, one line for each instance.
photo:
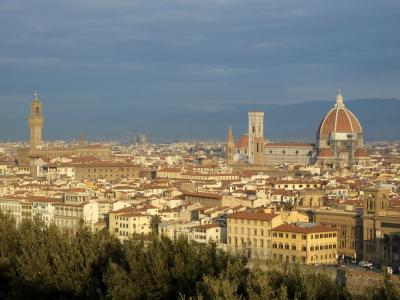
column 193, row 52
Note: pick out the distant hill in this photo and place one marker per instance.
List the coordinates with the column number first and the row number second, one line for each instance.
column 380, row 119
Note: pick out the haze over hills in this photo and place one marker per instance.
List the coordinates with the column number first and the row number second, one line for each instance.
column 380, row 119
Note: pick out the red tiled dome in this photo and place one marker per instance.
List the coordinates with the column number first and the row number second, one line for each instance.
column 325, row 153
column 243, row 142
column 361, row 153
column 339, row 119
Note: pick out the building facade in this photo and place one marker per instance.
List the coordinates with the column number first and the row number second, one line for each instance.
column 381, row 224
column 106, row 170
column 304, row 243
column 249, row 233
column 348, row 224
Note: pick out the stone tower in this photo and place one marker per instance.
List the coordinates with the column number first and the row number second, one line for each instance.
column 256, row 138
column 230, row 147
column 36, row 122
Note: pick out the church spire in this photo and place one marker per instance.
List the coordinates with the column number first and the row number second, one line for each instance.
column 81, row 138
column 230, row 147
column 339, row 100
column 230, row 134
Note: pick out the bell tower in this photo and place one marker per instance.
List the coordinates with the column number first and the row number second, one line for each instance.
column 230, row 147
column 35, row 122
column 256, row 137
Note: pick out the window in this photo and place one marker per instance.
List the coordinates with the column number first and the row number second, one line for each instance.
column 304, row 237
column 303, row 248
column 293, row 236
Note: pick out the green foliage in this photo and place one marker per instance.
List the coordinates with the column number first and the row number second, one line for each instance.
column 39, row 262
column 155, row 220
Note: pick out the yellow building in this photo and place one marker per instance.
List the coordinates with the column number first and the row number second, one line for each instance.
column 126, row 223
column 304, row 243
column 289, row 216
column 106, row 170
column 348, row 223
column 249, row 233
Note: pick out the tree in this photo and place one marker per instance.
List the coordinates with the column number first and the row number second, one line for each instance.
column 155, row 220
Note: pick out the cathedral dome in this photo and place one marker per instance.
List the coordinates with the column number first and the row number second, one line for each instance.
column 325, row 153
column 243, row 142
column 339, row 120
column 360, row 153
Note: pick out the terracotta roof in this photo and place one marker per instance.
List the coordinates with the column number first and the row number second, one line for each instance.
column 202, row 195
column 133, row 214
column 289, row 144
column 394, row 202
column 325, row 153
column 339, row 119
column 243, row 141
column 104, row 164
column 361, row 153
column 303, row 229
column 252, row 216
column 206, row 226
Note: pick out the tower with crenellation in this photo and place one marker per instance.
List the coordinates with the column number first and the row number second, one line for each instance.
column 35, row 122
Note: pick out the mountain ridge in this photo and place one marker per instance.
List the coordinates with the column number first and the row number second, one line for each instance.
column 380, row 119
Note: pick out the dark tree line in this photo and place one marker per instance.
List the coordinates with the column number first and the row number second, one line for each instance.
column 39, row 262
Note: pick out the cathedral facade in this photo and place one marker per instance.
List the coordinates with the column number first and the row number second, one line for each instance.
column 339, row 143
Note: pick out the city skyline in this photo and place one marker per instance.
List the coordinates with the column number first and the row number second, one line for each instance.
column 214, row 149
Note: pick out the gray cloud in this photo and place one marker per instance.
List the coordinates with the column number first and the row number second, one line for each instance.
column 197, row 53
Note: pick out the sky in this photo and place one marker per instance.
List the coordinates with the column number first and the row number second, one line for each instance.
column 80, row 55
